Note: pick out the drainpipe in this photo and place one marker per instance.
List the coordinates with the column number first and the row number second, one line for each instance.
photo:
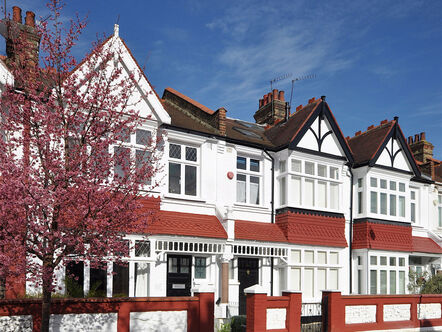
column 272, row 202
column 351, row 227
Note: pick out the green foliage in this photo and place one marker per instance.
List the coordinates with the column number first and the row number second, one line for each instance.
column 94, row 291
column 238, row 324
column 225, row 327
column 73, row 288
column 416, row 281
column 433, row 285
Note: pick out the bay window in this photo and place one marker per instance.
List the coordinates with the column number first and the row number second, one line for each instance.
column 413, row 204
column 387, row 274
column 183, row 169
column 248, row 179
column 387, row 199
column 309, row 184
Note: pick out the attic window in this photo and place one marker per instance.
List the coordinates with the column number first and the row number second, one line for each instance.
column 246, row 132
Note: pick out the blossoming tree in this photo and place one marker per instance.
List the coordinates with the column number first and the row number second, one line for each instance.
column 70, row 187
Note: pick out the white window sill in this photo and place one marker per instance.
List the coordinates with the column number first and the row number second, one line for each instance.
column 250, row 206
column 185, row 198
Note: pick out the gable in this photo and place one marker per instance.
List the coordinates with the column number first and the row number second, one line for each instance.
column 394, row 156
column 321, row 138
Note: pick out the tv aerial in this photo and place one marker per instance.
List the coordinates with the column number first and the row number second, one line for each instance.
column 299, row 78
column 279, row 78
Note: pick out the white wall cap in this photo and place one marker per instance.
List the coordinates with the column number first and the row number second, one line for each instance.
column 255, row 289
column 203, row 289
column 291, row 291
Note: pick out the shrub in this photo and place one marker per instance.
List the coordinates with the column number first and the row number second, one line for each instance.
column 433, row 285
column 238, row 324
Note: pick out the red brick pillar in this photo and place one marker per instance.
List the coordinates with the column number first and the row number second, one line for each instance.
column 256, row 309
column 333, row 311
column 206, row 310
column 123, row 323
column 293, row 320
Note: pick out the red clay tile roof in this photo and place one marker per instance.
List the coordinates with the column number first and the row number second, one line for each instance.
column 186, row 224
column 304, row 228
column 425, row 244
column 258, row 231
column 382, row 236
column 438, row 173
column 365, row 145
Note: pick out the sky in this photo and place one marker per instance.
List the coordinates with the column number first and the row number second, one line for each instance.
column 372, row 59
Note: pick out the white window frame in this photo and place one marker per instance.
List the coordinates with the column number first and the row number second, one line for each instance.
column 183, row 162
column 249, row 173
column 388, row 192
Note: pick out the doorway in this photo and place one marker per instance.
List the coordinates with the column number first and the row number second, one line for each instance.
column 178, row 275
column 248, row 275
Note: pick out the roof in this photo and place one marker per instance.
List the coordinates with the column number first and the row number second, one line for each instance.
column 425, row 245
column 190, row 100
column 365, row 145
column 312, row 228
column 438, row 173
column 258, row 231
column 186, row 224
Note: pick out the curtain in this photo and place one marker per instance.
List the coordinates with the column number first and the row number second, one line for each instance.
column 141, row 279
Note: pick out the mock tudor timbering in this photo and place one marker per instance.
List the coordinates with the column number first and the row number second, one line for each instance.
column 270, row 203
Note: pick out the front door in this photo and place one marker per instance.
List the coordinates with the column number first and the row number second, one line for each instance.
column 178, row 275
column 248, row 275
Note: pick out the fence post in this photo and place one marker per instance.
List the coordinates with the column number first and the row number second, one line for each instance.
column 256, row 309
column 333, row 313
column 293, row 320
column 206, row 310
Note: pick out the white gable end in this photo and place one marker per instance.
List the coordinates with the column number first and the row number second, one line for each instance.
column 393, row 156
column 320, row 137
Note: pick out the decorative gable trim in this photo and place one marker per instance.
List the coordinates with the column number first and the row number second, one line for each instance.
column 321, row 112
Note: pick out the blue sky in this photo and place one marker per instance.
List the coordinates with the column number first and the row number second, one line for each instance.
column 373, row 59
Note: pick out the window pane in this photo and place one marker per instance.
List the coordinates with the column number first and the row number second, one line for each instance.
column 383, row 198
column 392, row 261
column 98, row 282
column 254, row 190
column 141, row 279
column 254, row 165
column 120, row 280
column 383, row 260
column 173, row 265
column 295, row 190
column 333, row 279
column 334, row 173
column 295, row 279
column 295, row 256
column 321, row 273
column 401, row 282
column 309, row 193
column 383, row 184
column 359, row 281
column 413, row 195
column 373, row 260
column 282, row 191
column 334, row 195
column 241, row 188
column 125, row 135
column 373, row 202
column 174, row 178
column 373, row 182
column 360, row 202
column 191, row 154
column 440, row 215
column 360, row 183
column 282, row 164
column 190, row 185
column 142, row 248
column 334, row 258
column 401, row 261
column 401, row 206
column 308, row 289
column 322, row 194
column 392, row 185
column 383, row 275
column 241, row 163
column 308, row 257
column 142, row 161
column 373, row 282
column 184, row 265
column 392, row 205
column 200, row 267
column 142, row 136
column 175, row 151
column 402, row 187
column 74, row 279
column 122, row 161
column 322, row 170
column 296, row 165
column 322, row 257
column 392, row 282
column 309, row 168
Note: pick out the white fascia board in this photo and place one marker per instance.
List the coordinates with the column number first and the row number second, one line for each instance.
column 185, row 137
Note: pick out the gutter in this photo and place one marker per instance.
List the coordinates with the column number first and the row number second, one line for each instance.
column 272, row 215
column 350, row 240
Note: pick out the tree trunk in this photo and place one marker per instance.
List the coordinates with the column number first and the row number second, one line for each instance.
column 46, row 305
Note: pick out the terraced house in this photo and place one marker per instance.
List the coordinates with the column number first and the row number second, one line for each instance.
column 287, row 202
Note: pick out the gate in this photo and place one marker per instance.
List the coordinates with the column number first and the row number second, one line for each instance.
column 311, row 317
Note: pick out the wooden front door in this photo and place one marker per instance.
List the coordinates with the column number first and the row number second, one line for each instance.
column 178, row 275
column 248, row 275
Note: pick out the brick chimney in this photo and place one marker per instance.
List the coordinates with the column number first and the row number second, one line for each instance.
column 421, row 148
column 22, row 40
column 272, row 108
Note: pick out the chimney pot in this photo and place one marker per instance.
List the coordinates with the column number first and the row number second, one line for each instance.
column 16, row 14
column 299, row 108
column 370, row 127
column 30, row 19
column 410, row 140
column 422, row 136
column 357, row 133
column 281, row 96
column 416, row 138
column 384, row 121
column 261, row 101
column 275, row 94
column 311, row 100
column 265, row 100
